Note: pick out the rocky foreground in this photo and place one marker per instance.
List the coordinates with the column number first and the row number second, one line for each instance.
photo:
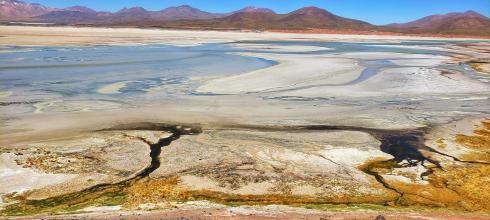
column 148, row 166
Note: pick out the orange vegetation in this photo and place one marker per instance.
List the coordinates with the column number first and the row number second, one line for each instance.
column 426, row 194
column 463, row 186
column 480, row 141
column 440, row 143
column 168, row 189
column 471, row 182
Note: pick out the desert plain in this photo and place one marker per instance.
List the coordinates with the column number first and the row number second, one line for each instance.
column 243, row 125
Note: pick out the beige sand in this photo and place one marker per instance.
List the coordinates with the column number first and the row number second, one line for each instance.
column 113, row 88
column 29, row 35
column 5, row 94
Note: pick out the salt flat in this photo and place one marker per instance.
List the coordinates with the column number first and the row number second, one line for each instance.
column 289, row 73
column 124, row 119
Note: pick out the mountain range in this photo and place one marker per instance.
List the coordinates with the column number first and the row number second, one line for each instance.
column 469, row 22
column 252, row 18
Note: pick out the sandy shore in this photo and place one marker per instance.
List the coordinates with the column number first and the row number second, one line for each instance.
column 77, row 36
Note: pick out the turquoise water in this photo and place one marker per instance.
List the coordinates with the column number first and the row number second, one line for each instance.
column 78, row 72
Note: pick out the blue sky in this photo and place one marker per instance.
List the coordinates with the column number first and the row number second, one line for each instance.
column 373, row 11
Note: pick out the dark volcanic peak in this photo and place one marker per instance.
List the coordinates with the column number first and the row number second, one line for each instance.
column 254, row 9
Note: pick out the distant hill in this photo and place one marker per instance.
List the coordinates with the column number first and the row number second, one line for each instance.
column 77, row 15
column 253, row 9
column 250, row 18
column 313, row 17
column 469, row 23
column 309, row 17
column 79, row 9
column 185, row 12
column 67, row 17
column 13, row 9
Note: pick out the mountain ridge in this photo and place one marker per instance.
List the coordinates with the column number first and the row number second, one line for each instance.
column 449, row 23
column 250, row 17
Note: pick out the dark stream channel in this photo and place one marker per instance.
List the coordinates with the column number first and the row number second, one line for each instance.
column 156, row 148
column 106, row 193
column 403, row 145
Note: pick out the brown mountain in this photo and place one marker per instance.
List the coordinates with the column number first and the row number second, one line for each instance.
column 253, row 9
column 14, row 9
column 73, row 15
column 313, row 17
column 249, row 17
column 309, row 18
column 129, row 16
column 79, row 9
column 138, row 16
column 245, row 20
column 184, row 12
column 305, row 18
column 468, row 23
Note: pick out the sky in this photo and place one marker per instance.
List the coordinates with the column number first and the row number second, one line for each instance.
column 374, row 11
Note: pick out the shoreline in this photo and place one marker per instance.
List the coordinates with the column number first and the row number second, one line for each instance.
column 382, row 33
column 87, row 36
